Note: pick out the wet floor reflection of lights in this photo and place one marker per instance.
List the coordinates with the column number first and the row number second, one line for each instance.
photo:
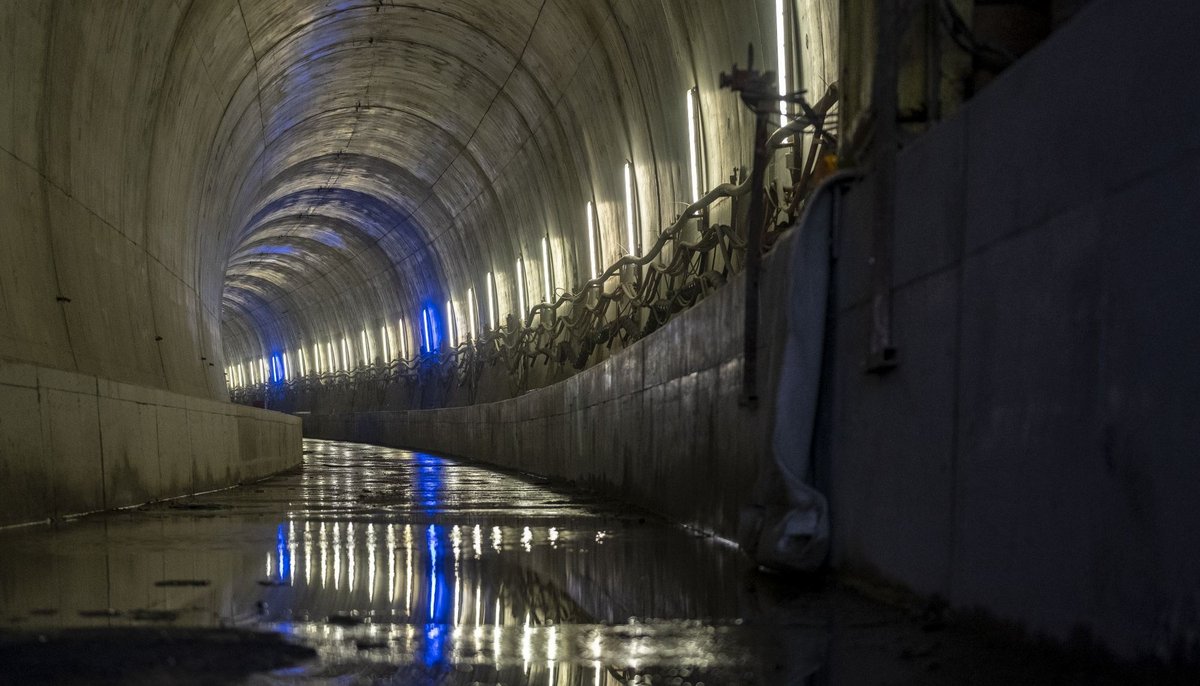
column 408, row 568
column 395, row 564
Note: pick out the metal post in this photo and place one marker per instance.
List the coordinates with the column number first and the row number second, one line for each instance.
column 758, row 92
column 881, row 355
column 754, row 259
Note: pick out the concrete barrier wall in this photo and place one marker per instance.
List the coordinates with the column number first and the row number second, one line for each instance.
column 1035, row 452
column 72, row 443
column 658, row 424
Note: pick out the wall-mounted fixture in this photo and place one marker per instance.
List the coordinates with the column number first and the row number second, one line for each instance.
column 547, row 281
column 593, row 243
column 402, row 334
column 471, row 314
column 521, row 309
column 693, row 114
column 630, row 211
column 782, row 58
column 426, row 321
column 491, row 301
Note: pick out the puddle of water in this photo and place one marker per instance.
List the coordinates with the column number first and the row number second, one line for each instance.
column 406, row 568
column 399, row 565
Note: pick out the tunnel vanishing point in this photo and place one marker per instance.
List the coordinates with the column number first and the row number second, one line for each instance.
column 899, row 291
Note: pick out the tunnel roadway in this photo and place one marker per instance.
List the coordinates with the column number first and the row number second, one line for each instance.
column 377, row 565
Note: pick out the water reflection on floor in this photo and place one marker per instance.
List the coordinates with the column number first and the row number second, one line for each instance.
column 407, row 568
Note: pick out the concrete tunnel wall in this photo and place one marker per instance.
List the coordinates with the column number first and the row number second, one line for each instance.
column 186, row 184
column 1033, row 455
column 197, row 184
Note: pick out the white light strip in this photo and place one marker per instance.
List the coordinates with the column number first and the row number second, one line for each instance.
column 450, row 327
column 317, row 367
column 303, row 362
column 402, row 334
column 547, row 287
column 287, row 367
column 347, row 361
column 521, row 311
column 471, row 312
column 491, row 297
column 366, row 347
column 693, row 144
column 331, row 356
column 266, row 371
column 386, row 336
column 781, row 57
column 630, row 233
column 591, row 226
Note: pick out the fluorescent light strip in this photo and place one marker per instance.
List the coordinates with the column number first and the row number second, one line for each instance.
column 366, row 348
column 402, row 334
column 450, row 323
column 591, row 226
column 428, row 333
column 630, row 233
column 386, row 337
column 693, row 143
column 471, row 312
column 331, row 355
column 781, row 57
column 347, row 361
column 547, row 287
column 491, row 297
column 521, row 311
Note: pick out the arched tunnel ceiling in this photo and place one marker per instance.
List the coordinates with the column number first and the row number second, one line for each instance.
column 363, row 107
column 197, row 183
column 376, row 157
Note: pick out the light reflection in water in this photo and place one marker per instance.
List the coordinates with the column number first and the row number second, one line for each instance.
column 291, row 549
column 391, row 556
column 371, row 562
column 337, row 556
column 538, row 627
column 408, row 569
column 351, row 546
column 307, row 553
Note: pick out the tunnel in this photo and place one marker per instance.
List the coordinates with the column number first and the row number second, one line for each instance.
column 599, row 341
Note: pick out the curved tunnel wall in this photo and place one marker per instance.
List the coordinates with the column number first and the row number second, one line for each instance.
column 196, row 184
column 189, row 185
column 451, row 140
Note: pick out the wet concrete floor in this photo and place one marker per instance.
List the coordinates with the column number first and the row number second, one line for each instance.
column 375, row 565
